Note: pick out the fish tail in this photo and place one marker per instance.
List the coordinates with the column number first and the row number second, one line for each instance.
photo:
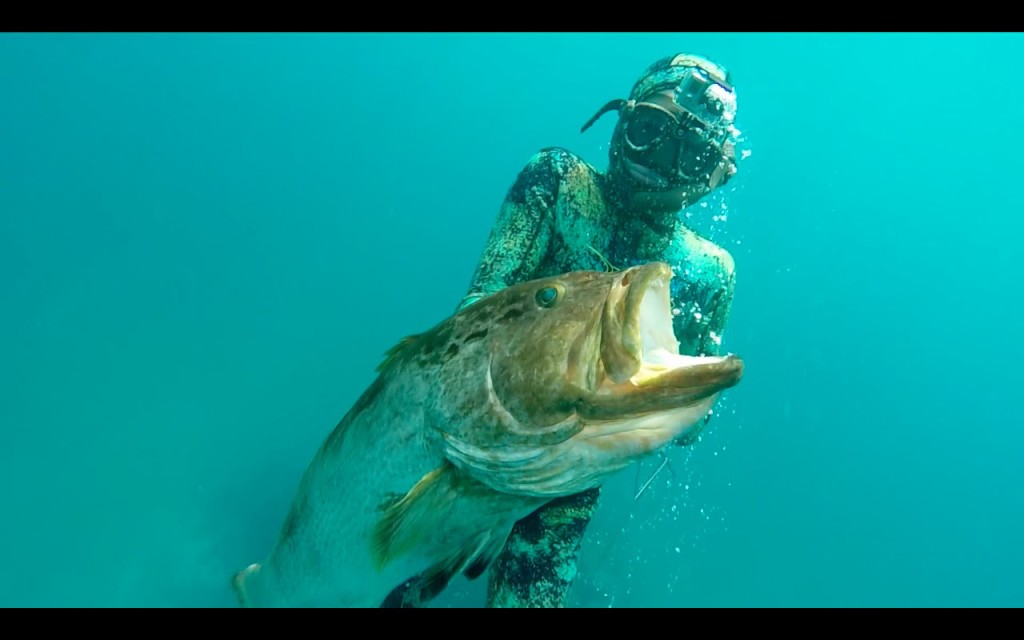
column 239, row 583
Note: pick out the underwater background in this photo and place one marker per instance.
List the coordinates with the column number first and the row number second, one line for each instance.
column 210, row 240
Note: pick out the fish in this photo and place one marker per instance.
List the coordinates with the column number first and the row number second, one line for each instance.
column 540, row 390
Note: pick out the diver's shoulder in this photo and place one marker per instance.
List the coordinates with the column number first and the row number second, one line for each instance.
column 561, row 161
column 559, row 154
column 552, row 172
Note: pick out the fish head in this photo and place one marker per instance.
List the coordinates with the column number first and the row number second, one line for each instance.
column 580, row 375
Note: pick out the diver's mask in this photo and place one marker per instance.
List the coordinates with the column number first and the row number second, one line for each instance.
column 701, row 128
column 698, row 147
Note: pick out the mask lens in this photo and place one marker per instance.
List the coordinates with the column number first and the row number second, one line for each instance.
column 697, row 157
column 646, row 126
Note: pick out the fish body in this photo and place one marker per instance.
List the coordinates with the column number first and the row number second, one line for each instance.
column 538, row 391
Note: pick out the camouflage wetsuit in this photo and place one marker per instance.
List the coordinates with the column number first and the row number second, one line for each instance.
column 562, row 215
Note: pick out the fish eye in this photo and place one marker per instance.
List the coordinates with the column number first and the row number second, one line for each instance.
column 547, row 296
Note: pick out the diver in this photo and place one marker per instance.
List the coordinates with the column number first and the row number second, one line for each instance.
column 673, row 144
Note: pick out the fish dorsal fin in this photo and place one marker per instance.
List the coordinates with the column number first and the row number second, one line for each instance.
column 393, row 352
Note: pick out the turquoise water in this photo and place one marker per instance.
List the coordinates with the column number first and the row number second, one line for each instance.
column 210, row 240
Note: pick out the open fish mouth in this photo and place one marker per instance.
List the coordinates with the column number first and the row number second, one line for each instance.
column 636, row 394
column 660, row 363
column 646, row 394
column 645, row 380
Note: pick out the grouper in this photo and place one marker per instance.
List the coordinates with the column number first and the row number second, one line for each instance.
column 541, row 390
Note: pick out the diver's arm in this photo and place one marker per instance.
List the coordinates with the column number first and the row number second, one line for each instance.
column 718, row 312
column 705, row 301
column 523, row 230
column 704, row 337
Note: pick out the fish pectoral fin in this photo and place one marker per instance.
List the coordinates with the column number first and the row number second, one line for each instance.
column 406, row 522
column 412, row 523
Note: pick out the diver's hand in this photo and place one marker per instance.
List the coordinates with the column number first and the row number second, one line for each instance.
column 726, row 168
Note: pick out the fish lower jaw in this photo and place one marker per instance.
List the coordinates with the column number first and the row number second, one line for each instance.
column 626, row 439
column 659, row 361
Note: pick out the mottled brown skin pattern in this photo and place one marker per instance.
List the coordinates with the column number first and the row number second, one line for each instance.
column 469, row 428
column 532, row 383
column 563, row 215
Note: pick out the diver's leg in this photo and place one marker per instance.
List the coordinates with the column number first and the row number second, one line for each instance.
column 537, row 566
